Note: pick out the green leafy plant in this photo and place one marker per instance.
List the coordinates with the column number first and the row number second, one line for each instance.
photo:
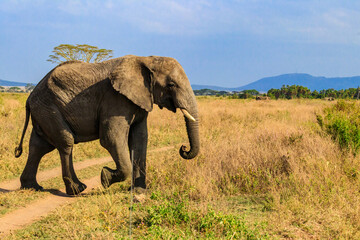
column 342, row 122
column 171, row 211
column 175, row 212
column 212, row 223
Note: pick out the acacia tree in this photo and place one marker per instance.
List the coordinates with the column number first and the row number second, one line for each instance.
column 82, row 52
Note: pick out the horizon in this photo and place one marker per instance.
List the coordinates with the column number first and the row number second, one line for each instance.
column 231, row 43
column 227, row 88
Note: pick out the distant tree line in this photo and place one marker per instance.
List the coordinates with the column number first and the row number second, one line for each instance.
column 285, row 92
column 252, row 93
column 28, row 88
column 295, row 91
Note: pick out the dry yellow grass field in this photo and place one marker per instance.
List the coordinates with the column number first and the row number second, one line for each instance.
column 267, row 162
column 276, row 151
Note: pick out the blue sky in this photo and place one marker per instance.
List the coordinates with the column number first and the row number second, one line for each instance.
column 224, row 43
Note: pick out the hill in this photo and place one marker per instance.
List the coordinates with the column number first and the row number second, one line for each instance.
column 5, row 83
column 306, row 80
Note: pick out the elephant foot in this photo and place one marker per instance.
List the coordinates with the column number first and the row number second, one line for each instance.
column 138, row 190
column 31, row 185
column 110, row 176
column 139, row 186
column 106, row 177
column 75, row 188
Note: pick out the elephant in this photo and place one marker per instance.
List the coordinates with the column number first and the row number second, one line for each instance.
column 110, row 101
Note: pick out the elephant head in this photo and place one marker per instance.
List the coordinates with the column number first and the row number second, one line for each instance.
column 159, row 80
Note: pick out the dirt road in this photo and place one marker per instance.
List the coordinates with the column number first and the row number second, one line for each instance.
column 51, row 173
column 33, row 212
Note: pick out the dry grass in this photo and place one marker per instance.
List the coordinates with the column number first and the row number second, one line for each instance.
column 271, row 153
column 247, row 145
column 272, row 149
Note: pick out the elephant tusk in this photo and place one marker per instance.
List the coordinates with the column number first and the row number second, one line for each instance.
column 188, row 115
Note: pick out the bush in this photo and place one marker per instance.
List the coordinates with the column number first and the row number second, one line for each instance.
column 342, row 122
column 175, row 212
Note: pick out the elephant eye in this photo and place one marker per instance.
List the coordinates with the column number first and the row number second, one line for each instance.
column 170, row 85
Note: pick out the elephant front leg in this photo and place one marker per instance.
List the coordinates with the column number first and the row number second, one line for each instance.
column 138, row 138
column 122, row 171
column 115, row 140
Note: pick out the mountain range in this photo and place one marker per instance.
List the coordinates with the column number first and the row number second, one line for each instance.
column 302, row 79
column 5, row 83
column 265, row 84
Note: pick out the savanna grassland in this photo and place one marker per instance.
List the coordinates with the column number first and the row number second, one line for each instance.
column 267, row 170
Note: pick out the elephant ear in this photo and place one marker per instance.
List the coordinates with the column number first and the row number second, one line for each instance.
column 133, row 79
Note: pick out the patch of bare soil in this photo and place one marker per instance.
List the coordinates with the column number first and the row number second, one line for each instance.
column 24, row 216
column 33, row 212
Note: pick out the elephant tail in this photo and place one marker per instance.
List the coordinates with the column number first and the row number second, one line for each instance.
column 18, row 149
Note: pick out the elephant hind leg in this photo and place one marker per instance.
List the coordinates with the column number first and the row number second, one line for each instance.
column 52, row 123
column 38, row 147
column 73, row 185
column 65, row 143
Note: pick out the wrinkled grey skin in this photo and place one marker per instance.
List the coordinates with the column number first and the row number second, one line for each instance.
column 80, row 102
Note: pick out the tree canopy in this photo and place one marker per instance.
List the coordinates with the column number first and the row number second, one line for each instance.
column 287, row 92
column 82, row 52
column 296, row 91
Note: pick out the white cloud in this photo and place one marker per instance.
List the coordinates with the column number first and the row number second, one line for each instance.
column 306, row 20
column 167, row 17
column 333, row 25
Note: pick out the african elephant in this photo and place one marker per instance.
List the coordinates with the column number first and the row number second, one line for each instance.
column 79, row 102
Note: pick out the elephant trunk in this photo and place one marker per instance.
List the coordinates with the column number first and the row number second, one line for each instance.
column 192, row 128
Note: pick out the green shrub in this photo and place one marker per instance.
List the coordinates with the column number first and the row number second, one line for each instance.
column 342, row 122
column 173, row 213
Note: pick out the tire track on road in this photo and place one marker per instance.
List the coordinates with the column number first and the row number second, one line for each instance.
column 35, row 211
